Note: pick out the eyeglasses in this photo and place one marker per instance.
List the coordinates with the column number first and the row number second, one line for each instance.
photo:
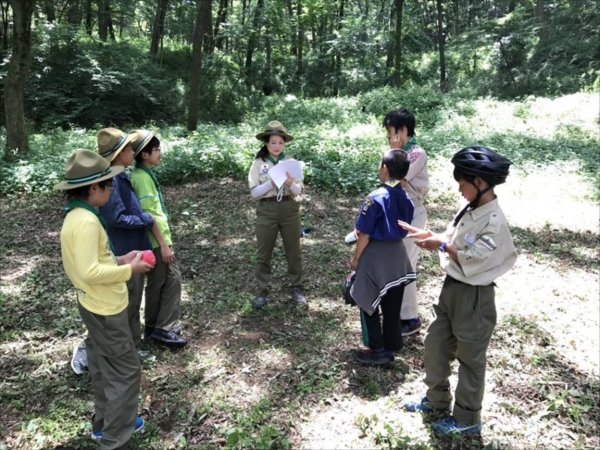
column 157, row 149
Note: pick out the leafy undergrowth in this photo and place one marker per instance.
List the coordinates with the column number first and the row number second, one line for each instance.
column 283, row 377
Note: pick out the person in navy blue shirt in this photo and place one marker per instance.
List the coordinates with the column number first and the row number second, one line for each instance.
column 381, row 263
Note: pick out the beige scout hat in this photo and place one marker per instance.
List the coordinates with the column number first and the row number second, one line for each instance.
column 111, row 141
column 139, row 139
column 86, row 167
column 274, row 128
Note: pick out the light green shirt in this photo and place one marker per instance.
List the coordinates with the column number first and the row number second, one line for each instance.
column 147, row 195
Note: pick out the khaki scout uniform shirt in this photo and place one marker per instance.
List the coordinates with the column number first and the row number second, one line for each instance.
column 485, row 246
column 259, row 174
column 417, row 178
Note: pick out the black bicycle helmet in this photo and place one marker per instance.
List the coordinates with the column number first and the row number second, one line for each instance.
column 482, row 162
column 346, row 286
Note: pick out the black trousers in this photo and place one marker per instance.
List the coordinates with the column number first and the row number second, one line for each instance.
column 382, row 329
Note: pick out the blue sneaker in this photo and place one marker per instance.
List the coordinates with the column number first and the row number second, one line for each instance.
column 449, row 426
column 423, row 406
column 139, row 424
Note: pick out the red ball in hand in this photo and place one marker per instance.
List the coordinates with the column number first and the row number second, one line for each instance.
column 148, row 257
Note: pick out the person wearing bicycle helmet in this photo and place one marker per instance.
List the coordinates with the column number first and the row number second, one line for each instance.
column 475, row 250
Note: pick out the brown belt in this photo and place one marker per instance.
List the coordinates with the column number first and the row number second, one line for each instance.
column 285, row 198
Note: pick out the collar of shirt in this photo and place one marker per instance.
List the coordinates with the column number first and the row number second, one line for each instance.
column 485, row 209
column 412, row 141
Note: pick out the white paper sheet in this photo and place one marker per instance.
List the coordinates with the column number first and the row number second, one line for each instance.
column 278, row 172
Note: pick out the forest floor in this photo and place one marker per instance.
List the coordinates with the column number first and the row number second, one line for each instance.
column 283, row 377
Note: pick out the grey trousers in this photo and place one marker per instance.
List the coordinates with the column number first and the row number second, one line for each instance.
column 163, row 294
column 465, row 317
column 116, row 374
column 135, row 287
column 273, row 218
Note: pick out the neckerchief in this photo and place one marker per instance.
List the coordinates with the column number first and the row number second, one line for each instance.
column 410, row 143
column 279, row 158
column 142, row 166
column 77, row 203
column 391, row 183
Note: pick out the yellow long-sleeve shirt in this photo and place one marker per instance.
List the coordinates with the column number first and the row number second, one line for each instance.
column 91, row 265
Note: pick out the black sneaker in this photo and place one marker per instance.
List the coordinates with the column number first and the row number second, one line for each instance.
column 149, row 330
column 409, row 327
column 298, row 296
column 260, row 301
column 372, row 358
column 169, row 338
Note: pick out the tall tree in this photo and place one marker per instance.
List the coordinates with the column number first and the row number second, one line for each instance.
column 17, row 140
column 441, row 45
column 158, row 27
column 5, row 22
column 396, row 79
column 50, row 10
column 300, row 40
column 252, row 40
column 221, row 18
column 203, row 20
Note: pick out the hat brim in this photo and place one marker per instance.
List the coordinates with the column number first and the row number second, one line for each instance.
column 114, row 154
column 143, row 143
column 65, row 185
column 285, row 136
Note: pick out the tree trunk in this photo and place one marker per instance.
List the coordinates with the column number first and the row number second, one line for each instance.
column 17, row 141
column 88, row 17
column 158, row 27
column 50, row 11
column 338, row 55
column 539, row 10
column 202, row 24
column 398, row 44
column 300, row 42
column 5, row 22
column 441, row 42
column 389, row 60
column 221, row 18
column 103, row 9
column 293, row 28
column 73, row 12
column 252, row 38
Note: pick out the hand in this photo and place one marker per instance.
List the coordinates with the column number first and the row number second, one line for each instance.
column 395, row 141
column 167, row 254
column 414, row 232
column 126, row 259
column 289, row 181
column 403, row 182
column 139, row 266
column 431, row 243
column 354, row 263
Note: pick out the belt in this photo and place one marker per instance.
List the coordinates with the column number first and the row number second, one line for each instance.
column 454, row 280
column 284, row 198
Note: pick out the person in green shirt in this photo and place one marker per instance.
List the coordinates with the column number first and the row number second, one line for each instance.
column 163, row 289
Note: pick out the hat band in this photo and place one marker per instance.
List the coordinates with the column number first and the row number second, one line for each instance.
column 143, row 142
column 114, row 149
column 88, row 178
column 274, row 131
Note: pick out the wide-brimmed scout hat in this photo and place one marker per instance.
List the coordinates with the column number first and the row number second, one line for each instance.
column 111, row 141
column 139, row 139
column 86, row 167
column 275, row 128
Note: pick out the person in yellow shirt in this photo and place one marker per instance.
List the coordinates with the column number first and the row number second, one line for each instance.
column 100, row 280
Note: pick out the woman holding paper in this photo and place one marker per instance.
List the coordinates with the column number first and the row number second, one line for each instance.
column 277, row 211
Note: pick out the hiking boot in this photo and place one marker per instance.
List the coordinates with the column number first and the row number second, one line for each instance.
column 79, row 362
column 298, row 296
column 139, row 424
column 260, row 301
column 373, row 358
column 169, row 338
column 411, row 326
column 423, row 406
column 149, row 330
column 449, row 426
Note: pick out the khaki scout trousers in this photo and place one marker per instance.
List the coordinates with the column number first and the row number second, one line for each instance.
column 465, row 317
column 409, row 305
column 163, row 294
column 135, row 287
column 274, row 217
column 115, row 372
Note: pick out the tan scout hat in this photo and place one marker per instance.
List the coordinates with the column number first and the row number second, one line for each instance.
column 139, row 139
column 86, row 167
column 111, row 141
column 274, row 128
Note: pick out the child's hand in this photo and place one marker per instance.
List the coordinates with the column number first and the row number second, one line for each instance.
column 289, row 181
column 431, row 243
column 414, row 232
column 139, row 266
column 167, row 254
column 126, row 259
column 354, row 263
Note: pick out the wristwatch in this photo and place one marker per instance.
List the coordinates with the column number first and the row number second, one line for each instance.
column 442, row 247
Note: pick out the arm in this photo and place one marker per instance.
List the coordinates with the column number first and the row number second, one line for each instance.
column 294, row 187
column 261, row 189
column 166, row 252
column 114, row 211
column 361, row 244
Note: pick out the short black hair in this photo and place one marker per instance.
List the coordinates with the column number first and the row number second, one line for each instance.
column 397, row 163
column 83, row 192
column 154, row 142
column 399, row 118
column 461, row 176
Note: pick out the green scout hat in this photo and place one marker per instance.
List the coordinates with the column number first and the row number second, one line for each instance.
column 275, row 128
column 111, row 141
column 86, row 167
column 139, row 139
